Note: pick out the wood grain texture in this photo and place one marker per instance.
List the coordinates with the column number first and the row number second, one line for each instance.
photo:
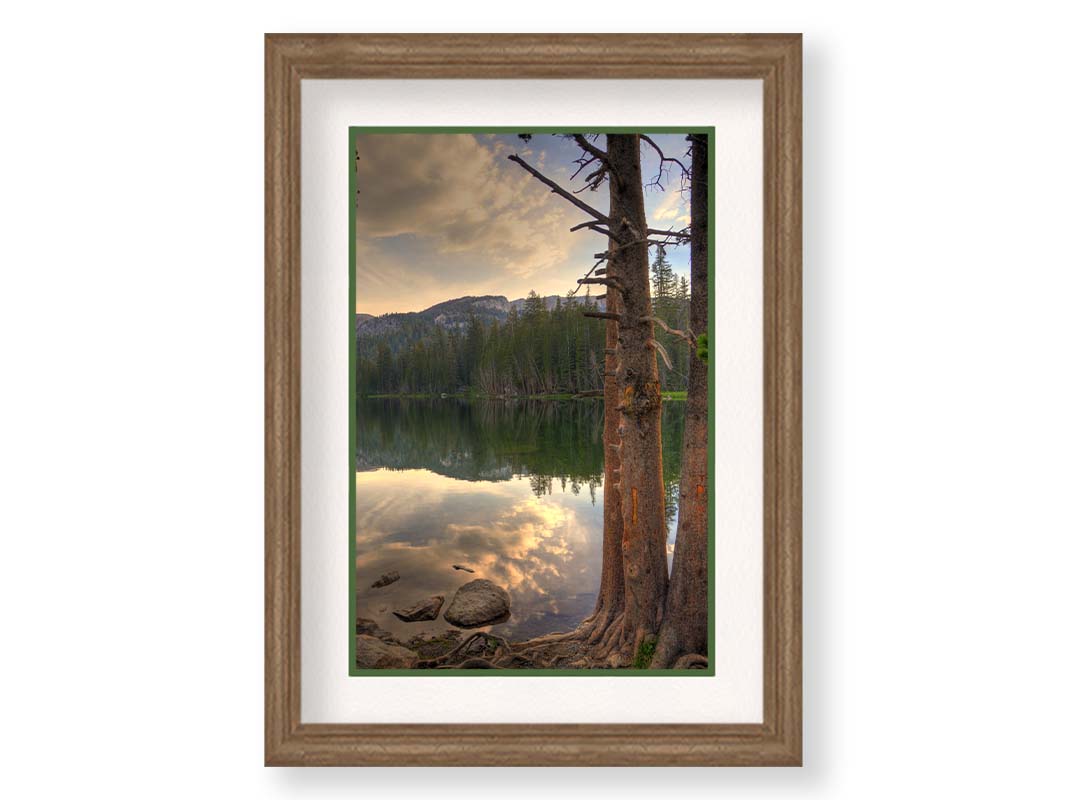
column 774, row 58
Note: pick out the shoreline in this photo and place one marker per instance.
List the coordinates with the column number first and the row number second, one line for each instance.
column 665, row 396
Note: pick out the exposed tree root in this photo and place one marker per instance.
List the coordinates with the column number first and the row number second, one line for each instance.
column 600, row 642
column 692, row 661
column 474, row 648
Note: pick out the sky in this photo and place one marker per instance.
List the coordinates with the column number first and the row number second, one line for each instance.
column 441, row 216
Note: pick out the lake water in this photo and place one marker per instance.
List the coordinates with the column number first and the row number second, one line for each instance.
column 511, row 489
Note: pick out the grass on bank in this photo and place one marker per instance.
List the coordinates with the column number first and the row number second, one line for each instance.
column 643, row 658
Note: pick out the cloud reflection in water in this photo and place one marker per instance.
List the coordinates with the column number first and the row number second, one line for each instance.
column 545, row 550
column 512, row 489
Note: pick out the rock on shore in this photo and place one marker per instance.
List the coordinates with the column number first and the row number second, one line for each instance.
column 370, row 628
column 373, row 653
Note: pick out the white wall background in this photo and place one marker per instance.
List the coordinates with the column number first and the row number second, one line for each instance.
column 130, row 412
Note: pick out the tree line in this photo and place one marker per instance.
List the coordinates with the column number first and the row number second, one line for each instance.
column 493, row 441
column 534, row 351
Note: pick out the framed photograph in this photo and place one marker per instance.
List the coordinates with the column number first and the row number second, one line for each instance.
column 533, row 400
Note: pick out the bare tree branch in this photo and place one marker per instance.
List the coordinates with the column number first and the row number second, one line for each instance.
column 557, row 189
column 592, row 154
column 582, row 162
column 593, row 269
column 652, row 343
column 663, row 159
column 683, row 234
column 606, row 232
column 688, row 335
column 611, row 283
column 593, row 225
column 604, row 256
column 602, row 315
column 590, row 148
column 594, row 179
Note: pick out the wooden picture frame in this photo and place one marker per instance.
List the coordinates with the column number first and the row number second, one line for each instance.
column 774, row 59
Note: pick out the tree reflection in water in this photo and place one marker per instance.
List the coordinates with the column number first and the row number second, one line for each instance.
column 474, row 482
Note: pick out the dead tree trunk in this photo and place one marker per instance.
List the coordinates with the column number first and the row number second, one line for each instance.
column 685, row 627
column 644, row 535
column 633, row 593
column 610, row 599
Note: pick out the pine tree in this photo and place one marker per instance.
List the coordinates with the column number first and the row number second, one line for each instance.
column 662, row 278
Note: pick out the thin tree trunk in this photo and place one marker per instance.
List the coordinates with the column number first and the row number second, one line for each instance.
column 609, row 602
column 644, row 535
column 685, row 628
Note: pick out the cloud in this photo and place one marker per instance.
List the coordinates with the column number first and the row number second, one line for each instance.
column 447, row 215
column 459, row 196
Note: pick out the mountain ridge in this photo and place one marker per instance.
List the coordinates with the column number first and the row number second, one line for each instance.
column 455, row 314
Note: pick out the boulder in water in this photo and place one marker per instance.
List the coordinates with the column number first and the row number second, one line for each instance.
column 479, row 603
column 423, row 611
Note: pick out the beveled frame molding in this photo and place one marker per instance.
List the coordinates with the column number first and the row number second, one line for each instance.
column 776, row 59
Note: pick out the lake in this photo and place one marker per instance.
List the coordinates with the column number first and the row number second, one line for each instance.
column 510, row 488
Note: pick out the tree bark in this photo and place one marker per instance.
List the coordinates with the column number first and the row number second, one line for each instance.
column 609, row 602
column 685, row 627
column 640, row 484
column 633, row 591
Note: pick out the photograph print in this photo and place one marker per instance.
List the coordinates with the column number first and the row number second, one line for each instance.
column 531, row 375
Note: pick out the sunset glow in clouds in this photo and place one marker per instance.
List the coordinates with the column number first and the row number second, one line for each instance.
column 441, row 216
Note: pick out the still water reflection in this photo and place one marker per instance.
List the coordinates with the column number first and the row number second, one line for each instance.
column 511, row 489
